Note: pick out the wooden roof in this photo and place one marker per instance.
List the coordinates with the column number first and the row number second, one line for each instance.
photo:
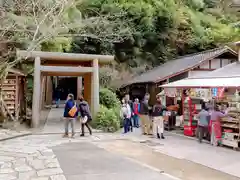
column 66, row 57
column 16, row 72
column 179, row 65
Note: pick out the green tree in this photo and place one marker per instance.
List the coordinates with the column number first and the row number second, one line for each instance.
column 158, row 30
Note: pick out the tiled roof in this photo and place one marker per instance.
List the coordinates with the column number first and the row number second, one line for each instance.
column 227, row 76
column 178, row 65
column 230, row 70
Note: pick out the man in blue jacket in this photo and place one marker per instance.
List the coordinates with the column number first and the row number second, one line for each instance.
column 70, row 103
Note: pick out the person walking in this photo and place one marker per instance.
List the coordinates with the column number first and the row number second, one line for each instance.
column 70, row 114
column 203, row 122
column 144, row 115
column 136, row 109
column 126, row 115
column 158, row 120
column 57, row 96
column 85, row 115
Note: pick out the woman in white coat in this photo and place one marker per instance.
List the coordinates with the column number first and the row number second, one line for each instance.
column 126, row 115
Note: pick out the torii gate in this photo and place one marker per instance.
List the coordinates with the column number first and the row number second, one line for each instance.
column 65, row 64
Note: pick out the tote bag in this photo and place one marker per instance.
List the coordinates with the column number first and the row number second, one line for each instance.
column 73, row 111
column 84, row 119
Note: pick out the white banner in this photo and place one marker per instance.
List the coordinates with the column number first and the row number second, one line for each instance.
column 170, row 92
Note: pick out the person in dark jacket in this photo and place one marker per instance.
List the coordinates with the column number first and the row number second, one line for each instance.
column 158, row 120
column 57, row 94
column 144, row 115
column 85, row 115
column 70, row 103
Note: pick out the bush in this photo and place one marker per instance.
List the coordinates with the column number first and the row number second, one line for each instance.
column 108, row 98
column 107, row 120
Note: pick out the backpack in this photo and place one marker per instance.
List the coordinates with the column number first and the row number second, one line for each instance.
column 124, row 111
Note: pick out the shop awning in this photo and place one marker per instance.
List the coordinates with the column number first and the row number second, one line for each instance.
column 228, row 76
column 205, row 83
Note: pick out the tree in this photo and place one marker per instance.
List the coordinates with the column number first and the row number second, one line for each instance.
column 161, row 30
column 28, row 24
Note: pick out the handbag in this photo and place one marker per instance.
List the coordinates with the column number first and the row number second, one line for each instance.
column 73, row 111
column 84, row 119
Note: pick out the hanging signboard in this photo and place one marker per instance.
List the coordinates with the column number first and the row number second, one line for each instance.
column 218, row 92
column 221, row 92
column 214, row 92
column 170, row 92
column 200, row 93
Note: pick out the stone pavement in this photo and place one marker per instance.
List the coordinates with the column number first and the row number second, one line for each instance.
column 6, row 134
column 32, row 158
column 55, row 122
column 220, row 158
column 86, row 161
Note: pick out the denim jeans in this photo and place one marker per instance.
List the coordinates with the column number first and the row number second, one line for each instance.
column 126, row 124
column 136, row 120
column 57, row 102
column 66, row 125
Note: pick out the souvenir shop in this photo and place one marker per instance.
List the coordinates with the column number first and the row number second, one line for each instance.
column 172, row 100
column 228, row 101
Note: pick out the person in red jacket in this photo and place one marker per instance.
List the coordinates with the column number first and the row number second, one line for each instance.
column 136, row 110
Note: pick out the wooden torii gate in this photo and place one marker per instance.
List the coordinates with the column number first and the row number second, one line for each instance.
column 65, row 64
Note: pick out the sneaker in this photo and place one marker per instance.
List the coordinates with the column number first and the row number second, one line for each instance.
column 65, row 135
column 81, row 135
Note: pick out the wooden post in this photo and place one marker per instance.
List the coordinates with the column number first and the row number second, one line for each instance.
column 17, row 98
column 79, row 86
column 87, row 88
column 95, row 87
column 36, row 93
column 48, row 90
column 43, row 92
column 238, row 45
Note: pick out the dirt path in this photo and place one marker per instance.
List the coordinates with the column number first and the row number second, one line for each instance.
column 181, row 168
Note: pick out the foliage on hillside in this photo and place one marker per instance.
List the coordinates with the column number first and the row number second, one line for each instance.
column 159, row 30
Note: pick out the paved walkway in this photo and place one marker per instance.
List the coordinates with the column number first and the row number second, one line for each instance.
column 50, row 157
column 113, row 156
column 55, row 122
column 86, row 161
column 219, row 158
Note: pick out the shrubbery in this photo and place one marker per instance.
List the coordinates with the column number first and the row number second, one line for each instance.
column 108, row 98
column 108, row 118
